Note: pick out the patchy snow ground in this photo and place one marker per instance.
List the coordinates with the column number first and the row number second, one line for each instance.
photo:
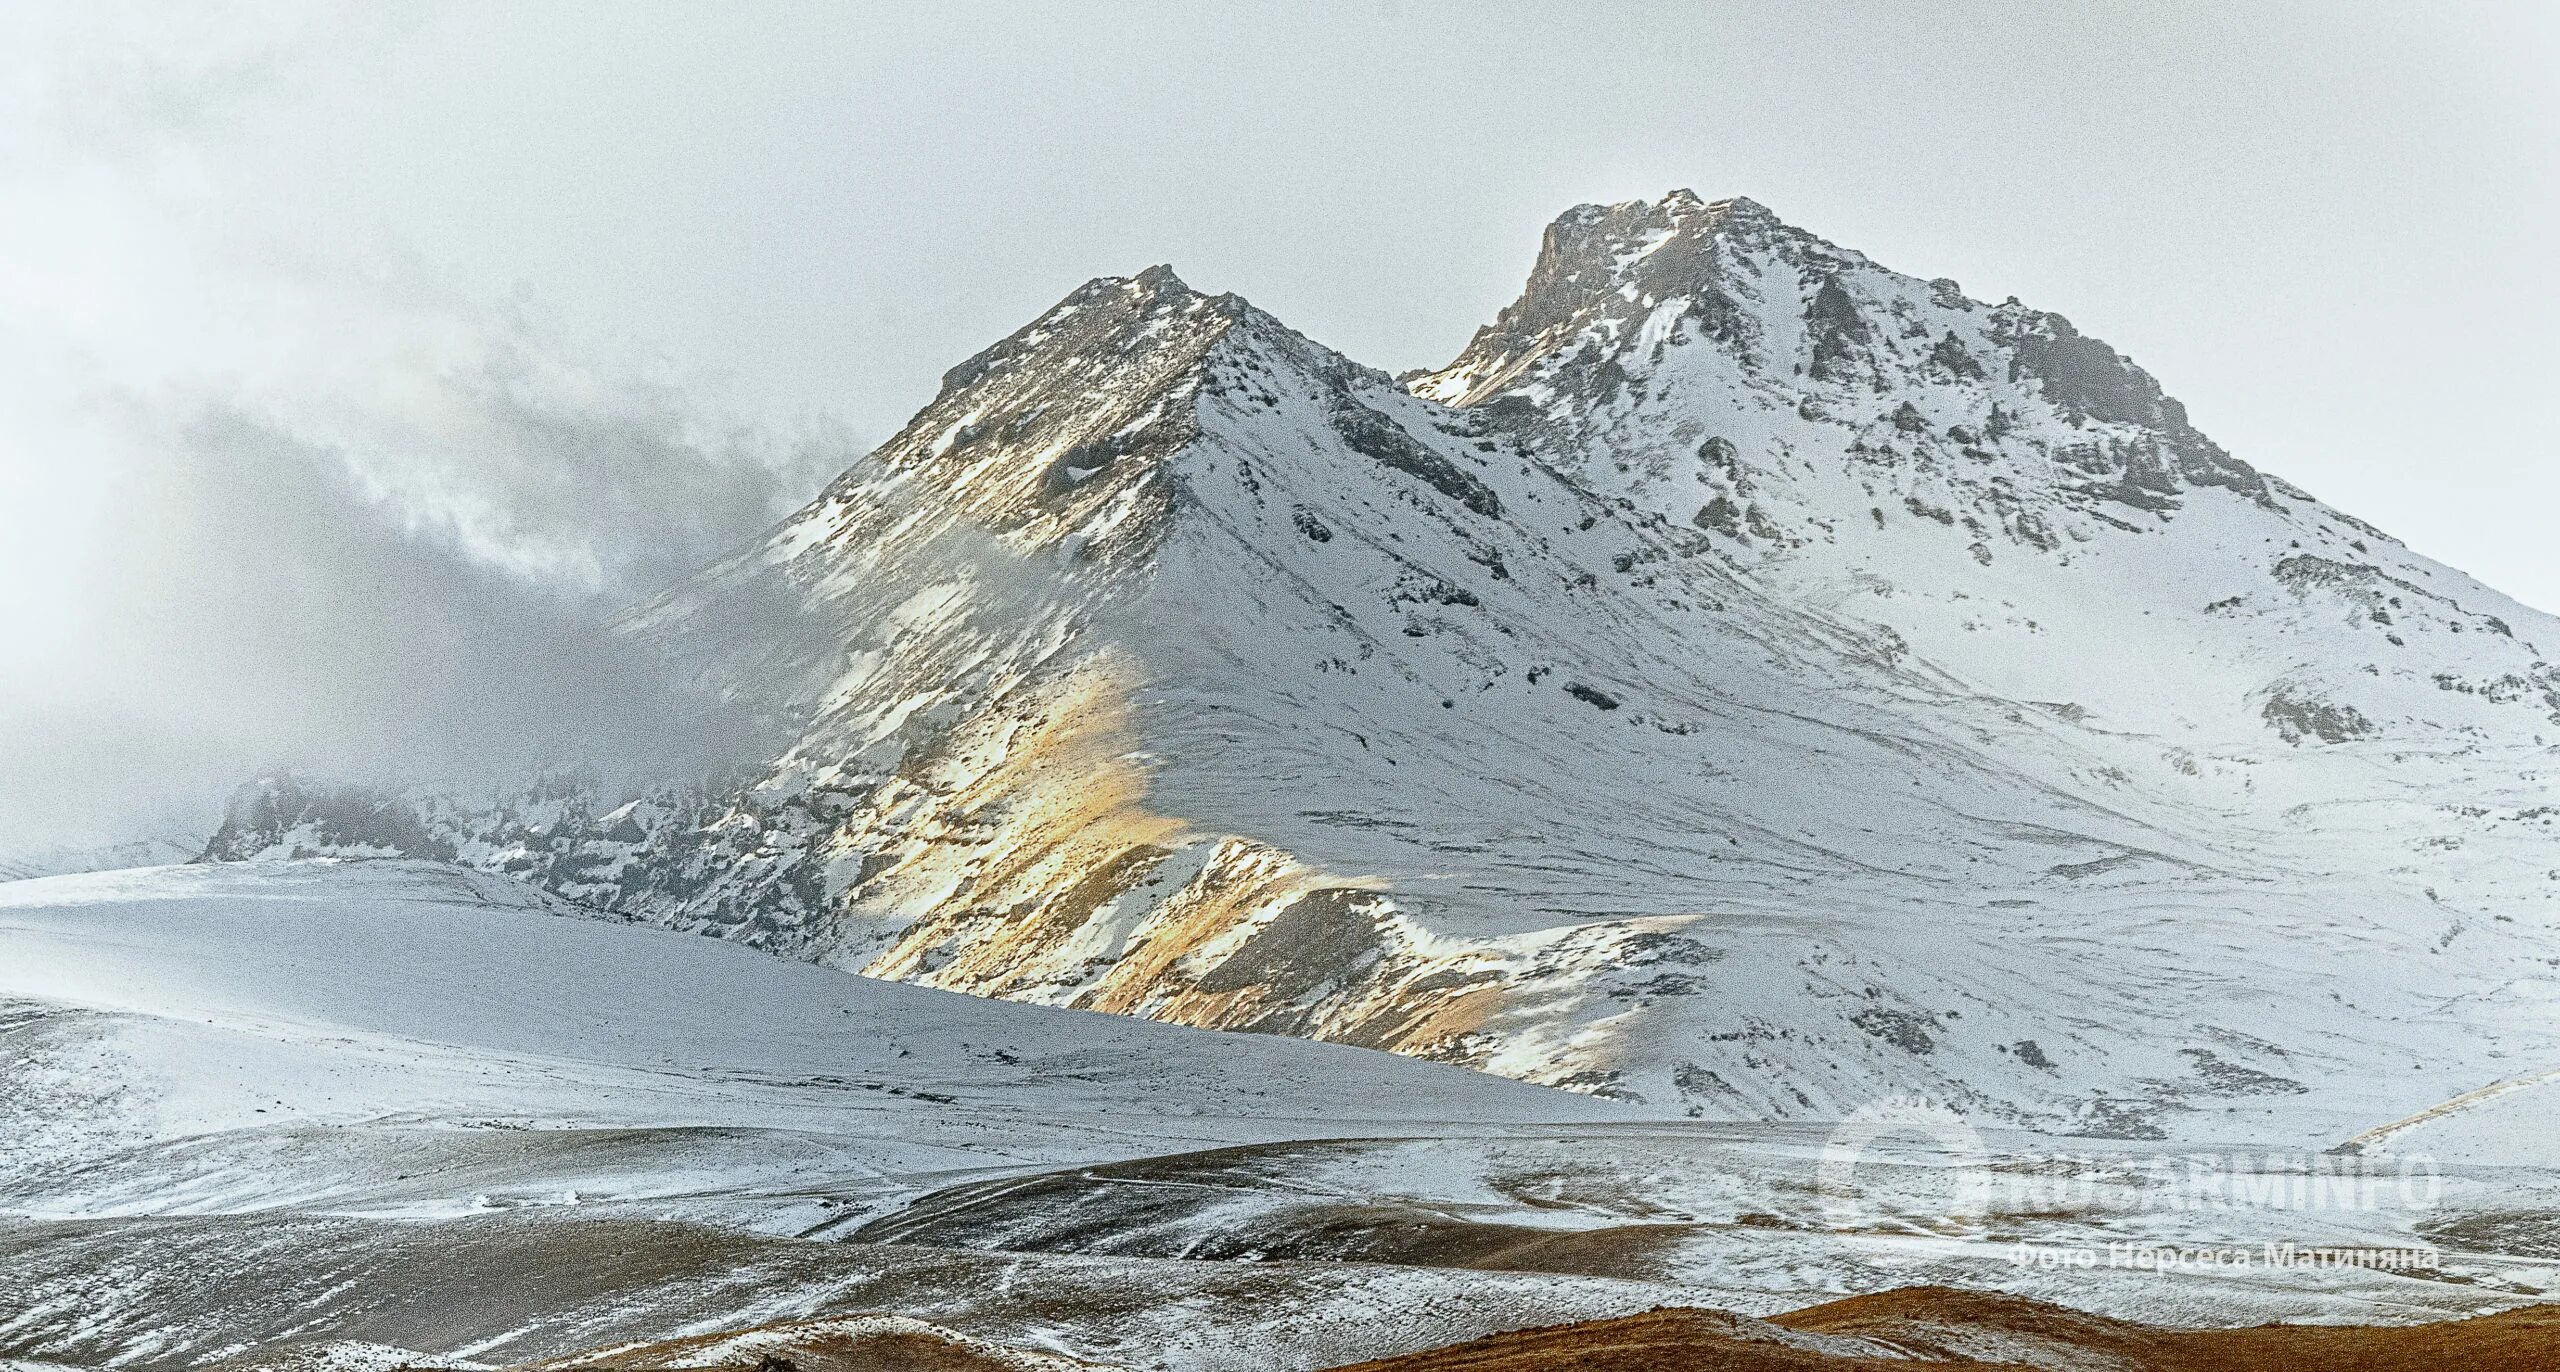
column 345, row 1107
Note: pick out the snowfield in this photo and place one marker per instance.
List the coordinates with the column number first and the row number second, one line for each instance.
column 386, row 1037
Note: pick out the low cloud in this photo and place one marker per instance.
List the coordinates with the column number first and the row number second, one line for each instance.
column 276, row 492
column 257, row 598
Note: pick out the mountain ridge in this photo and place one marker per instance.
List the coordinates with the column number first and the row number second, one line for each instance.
column 1746, row 680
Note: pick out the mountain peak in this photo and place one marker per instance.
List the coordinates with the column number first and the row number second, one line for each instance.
column 1677, row 204
column 1613, row 261
column 1147, row 302
column 1727, row 295
column 1057, row 432
column 1596, row 235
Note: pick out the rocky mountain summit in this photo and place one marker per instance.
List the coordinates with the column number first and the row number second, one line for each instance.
column 1746, row 681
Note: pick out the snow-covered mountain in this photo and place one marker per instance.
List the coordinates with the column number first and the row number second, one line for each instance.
column 1747, row 680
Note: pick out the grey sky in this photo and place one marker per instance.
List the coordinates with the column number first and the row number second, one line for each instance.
column 704, row 252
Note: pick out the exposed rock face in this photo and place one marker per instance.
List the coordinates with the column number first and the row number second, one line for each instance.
column 282, row 817
column 2297, row 717
column 1746, row 679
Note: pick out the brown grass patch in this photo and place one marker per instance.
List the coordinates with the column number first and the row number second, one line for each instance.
column 1935, row 1327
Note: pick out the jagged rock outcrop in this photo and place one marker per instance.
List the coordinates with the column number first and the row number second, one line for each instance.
column 285, row 817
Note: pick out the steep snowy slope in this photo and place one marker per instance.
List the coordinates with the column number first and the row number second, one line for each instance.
column 2010, row 496
column 1747, row 680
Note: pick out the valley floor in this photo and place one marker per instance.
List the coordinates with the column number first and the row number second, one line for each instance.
column 360, row 1114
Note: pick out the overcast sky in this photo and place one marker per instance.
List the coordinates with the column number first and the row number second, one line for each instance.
column 559, row 299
